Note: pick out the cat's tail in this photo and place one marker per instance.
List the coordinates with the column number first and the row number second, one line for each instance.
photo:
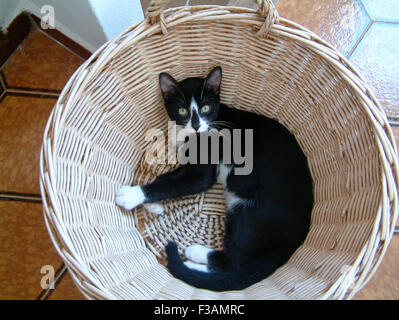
column 215, row 280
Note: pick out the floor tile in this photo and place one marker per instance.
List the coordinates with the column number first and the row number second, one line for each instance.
column 170, row 4
column 243, row 3
column 339, row 22
column 39, row 62
column 25, row 247
column 1, row 88
column 384, row 285
column 382, row 10
column 66, row 290
column 376, row 57
column 246, row 3
column 210, row 2
column 22, row 122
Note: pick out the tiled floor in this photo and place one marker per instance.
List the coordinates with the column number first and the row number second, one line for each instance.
column 32, row 79
column 366, row 31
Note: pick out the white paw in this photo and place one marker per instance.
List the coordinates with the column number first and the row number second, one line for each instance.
column 155, row 208
column 197, row 253
column 129, row 197
column 196, row 266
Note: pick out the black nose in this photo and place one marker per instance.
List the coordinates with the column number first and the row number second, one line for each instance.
column 196, row 126
column 195, row 123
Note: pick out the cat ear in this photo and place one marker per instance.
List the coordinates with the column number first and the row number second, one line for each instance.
column 213, row 81
column 168, row 85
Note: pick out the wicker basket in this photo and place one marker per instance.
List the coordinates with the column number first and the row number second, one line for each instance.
column 94, row 143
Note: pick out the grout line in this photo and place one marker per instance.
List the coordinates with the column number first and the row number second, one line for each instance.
column 2, row 84
column 46, row 293
column 29, row 91
column 361, row 37
column 15, row 193
column 3, row 78
column 17, row 196
column 364, row 7
column 3, row 198
column 34, row 24
column 360, row 2
column 385, row 21
column 34, row 90
column 32, row 95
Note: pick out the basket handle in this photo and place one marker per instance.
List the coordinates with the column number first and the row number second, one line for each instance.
column 266, row 9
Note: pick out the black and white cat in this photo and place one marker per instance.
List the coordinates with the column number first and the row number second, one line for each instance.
column 268, row 210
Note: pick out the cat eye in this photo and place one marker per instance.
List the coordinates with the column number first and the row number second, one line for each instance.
column 206, row 108
column 183, row 111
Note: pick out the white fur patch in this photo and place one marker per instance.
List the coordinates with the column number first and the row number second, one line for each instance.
column 204, row 126
column 129, row 197
column 224, row 171
column 232, row 199
column 193, row 105
column 196, row 266
column 197, row 253
column 155, row 208
column 189, row 127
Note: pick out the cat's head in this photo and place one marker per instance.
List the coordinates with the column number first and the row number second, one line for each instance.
column 194, row 102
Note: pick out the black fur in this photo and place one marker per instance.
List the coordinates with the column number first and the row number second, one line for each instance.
column 264, row 231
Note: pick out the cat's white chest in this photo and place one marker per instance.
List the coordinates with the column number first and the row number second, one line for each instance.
column 223, row 173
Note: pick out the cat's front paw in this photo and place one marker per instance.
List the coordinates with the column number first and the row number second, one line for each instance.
column 129, row 197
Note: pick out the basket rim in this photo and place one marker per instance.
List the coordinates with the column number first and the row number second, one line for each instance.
column 374, row 249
